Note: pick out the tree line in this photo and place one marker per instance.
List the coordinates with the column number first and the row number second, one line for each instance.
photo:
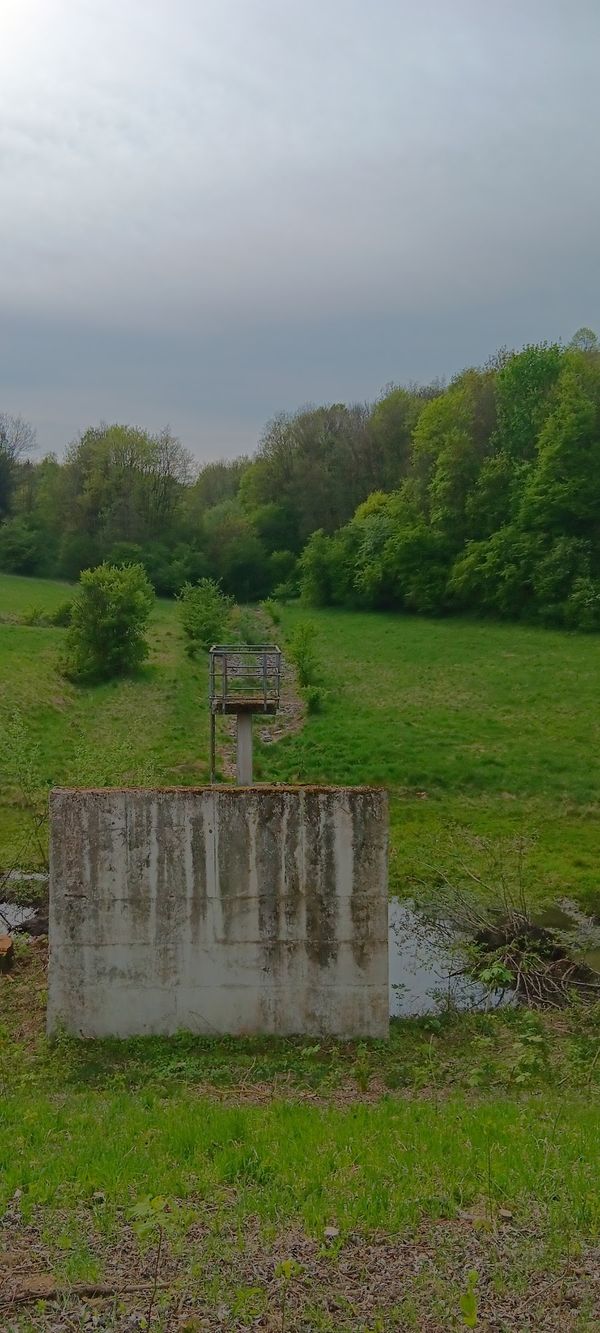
column 482, row 495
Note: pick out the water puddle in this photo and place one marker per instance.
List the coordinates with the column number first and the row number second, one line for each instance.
column 12, row 916
column 423, row 970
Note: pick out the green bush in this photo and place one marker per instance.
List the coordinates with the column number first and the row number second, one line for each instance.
column 204, row 611
column 108, row 623
column 286, row 592
column 62, row 616
column 583, row 606
column 302, row 652
column 314, row 698
column 21, row 547
column 272, row 609
column 33, row 616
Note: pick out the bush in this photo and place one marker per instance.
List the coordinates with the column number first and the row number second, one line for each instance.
column 34, row 616
column 204, row 611
column 282, row 567
column 21, row 547
column 314, row 697
column 108, row 622
column 302, row 652
column 62, row 616
column 286, row 592
column 272, row 609
column 583, row 606
column 326, row 568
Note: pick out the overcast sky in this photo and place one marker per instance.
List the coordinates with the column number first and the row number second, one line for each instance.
column 212, row 210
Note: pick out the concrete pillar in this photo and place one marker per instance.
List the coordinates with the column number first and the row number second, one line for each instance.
column 244, row 749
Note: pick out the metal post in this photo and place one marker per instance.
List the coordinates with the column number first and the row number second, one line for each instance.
column 213, row 745
column 244, row 749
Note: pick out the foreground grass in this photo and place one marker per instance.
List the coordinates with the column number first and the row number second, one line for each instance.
column 300, row 1185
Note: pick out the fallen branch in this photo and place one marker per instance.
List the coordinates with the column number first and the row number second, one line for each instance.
column 91, row 1290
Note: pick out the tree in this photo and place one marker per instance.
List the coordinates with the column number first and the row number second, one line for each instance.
column 125, row 485
column 446, row 423
column 562, row 493
column 109, row 618
column 236, row 556
column 524, row 397
column 393, row 420
column 318, row 463
column 328, row 565
column 215, row 482
column 17, row 438
column 585, row 340
column 497, row 575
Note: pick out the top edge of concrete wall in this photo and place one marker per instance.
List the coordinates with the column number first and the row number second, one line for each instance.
column 229, row 789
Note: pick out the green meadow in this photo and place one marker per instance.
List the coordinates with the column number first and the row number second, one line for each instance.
column 484, row 734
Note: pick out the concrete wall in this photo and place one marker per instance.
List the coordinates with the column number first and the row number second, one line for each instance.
column 219, row 910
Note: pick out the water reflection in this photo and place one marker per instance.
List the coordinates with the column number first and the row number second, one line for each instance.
column 423, row 970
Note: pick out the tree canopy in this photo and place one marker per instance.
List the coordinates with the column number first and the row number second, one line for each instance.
column 481, row 495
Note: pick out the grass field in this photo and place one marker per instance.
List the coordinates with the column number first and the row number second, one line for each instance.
column 445, row 1180
column 150, row 729
column 314, row 1187
column 482, row 733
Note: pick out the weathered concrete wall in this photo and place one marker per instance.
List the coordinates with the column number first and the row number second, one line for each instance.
column 219, row 910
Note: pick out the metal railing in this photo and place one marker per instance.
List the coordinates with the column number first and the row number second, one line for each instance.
column 245, row 678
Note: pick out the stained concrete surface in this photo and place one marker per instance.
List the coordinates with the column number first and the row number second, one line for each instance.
column 219, row 910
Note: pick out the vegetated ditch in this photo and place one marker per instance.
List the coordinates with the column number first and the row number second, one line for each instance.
column 510, row 957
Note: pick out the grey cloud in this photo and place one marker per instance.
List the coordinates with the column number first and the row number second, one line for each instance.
column 220, row 208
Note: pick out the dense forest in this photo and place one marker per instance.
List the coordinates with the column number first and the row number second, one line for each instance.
column 482, row 495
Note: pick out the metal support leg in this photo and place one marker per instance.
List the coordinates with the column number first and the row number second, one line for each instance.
column 213, row 746
column 244, row 749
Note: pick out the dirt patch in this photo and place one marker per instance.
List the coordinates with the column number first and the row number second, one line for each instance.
column 235, row 1278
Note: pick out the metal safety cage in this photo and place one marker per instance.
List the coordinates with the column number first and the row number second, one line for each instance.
column 245, row 678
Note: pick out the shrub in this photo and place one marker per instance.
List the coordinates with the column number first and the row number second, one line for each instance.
column 583, row 606
column 302, row 652
column 286, row 592
column 314, row 698
column 33, row 616
column 21, row 547
column 272, row 609
column 204, row 611
column 326, row 567
column 62, row 616
column 108, row 622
